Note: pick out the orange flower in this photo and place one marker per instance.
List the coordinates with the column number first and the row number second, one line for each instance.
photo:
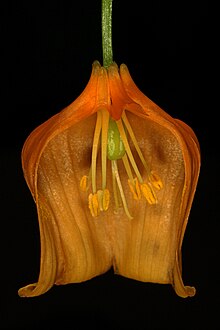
column 113, row 177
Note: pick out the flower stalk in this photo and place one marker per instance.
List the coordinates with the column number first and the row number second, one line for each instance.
column 107, row 33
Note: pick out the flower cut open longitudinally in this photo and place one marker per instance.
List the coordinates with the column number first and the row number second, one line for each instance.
column 113, row 177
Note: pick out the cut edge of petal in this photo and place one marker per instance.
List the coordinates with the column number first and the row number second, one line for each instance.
column 181, row 290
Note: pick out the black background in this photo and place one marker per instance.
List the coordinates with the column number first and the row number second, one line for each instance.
column 47, row 49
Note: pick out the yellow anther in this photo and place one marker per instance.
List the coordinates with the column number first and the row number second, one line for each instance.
column 99, row 202
column 135, row 188
column 155, row 180
column 94, row 204
column 148, row 193
column 84, row 183
column 105, row 199
column 100, row 199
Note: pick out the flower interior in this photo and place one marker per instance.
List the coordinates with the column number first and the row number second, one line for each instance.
column 111, row 141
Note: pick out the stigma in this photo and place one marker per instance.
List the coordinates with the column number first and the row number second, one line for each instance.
column 111, row 141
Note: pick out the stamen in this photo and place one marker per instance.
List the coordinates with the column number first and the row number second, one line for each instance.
column 117, row 177
column 135, row 188
column 115, row 191
column 95, row 149
column 128, row 150
column 105, row 122
column 94, row 204
column 127, row 168
column 134, row 140
column 100, row 198
column 148, row 193
column 103, row 199
column 153, row 177
column 84, row 183
column 155, row 180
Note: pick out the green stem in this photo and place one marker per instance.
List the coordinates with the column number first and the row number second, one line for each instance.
column 107, row 33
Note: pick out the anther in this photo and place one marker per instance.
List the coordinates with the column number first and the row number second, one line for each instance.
column 135, row 188
column 84, row 183
column 148, row 193
column 94, row 204
column 155, row 180
column 103, row 199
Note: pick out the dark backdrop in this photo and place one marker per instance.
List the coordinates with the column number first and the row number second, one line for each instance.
column 47, row 49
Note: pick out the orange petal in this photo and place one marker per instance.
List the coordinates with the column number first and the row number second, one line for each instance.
column 74, row 247
column 119, row 97
column 149, row 247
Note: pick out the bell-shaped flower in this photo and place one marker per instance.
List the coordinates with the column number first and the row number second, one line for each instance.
column 113, row 177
